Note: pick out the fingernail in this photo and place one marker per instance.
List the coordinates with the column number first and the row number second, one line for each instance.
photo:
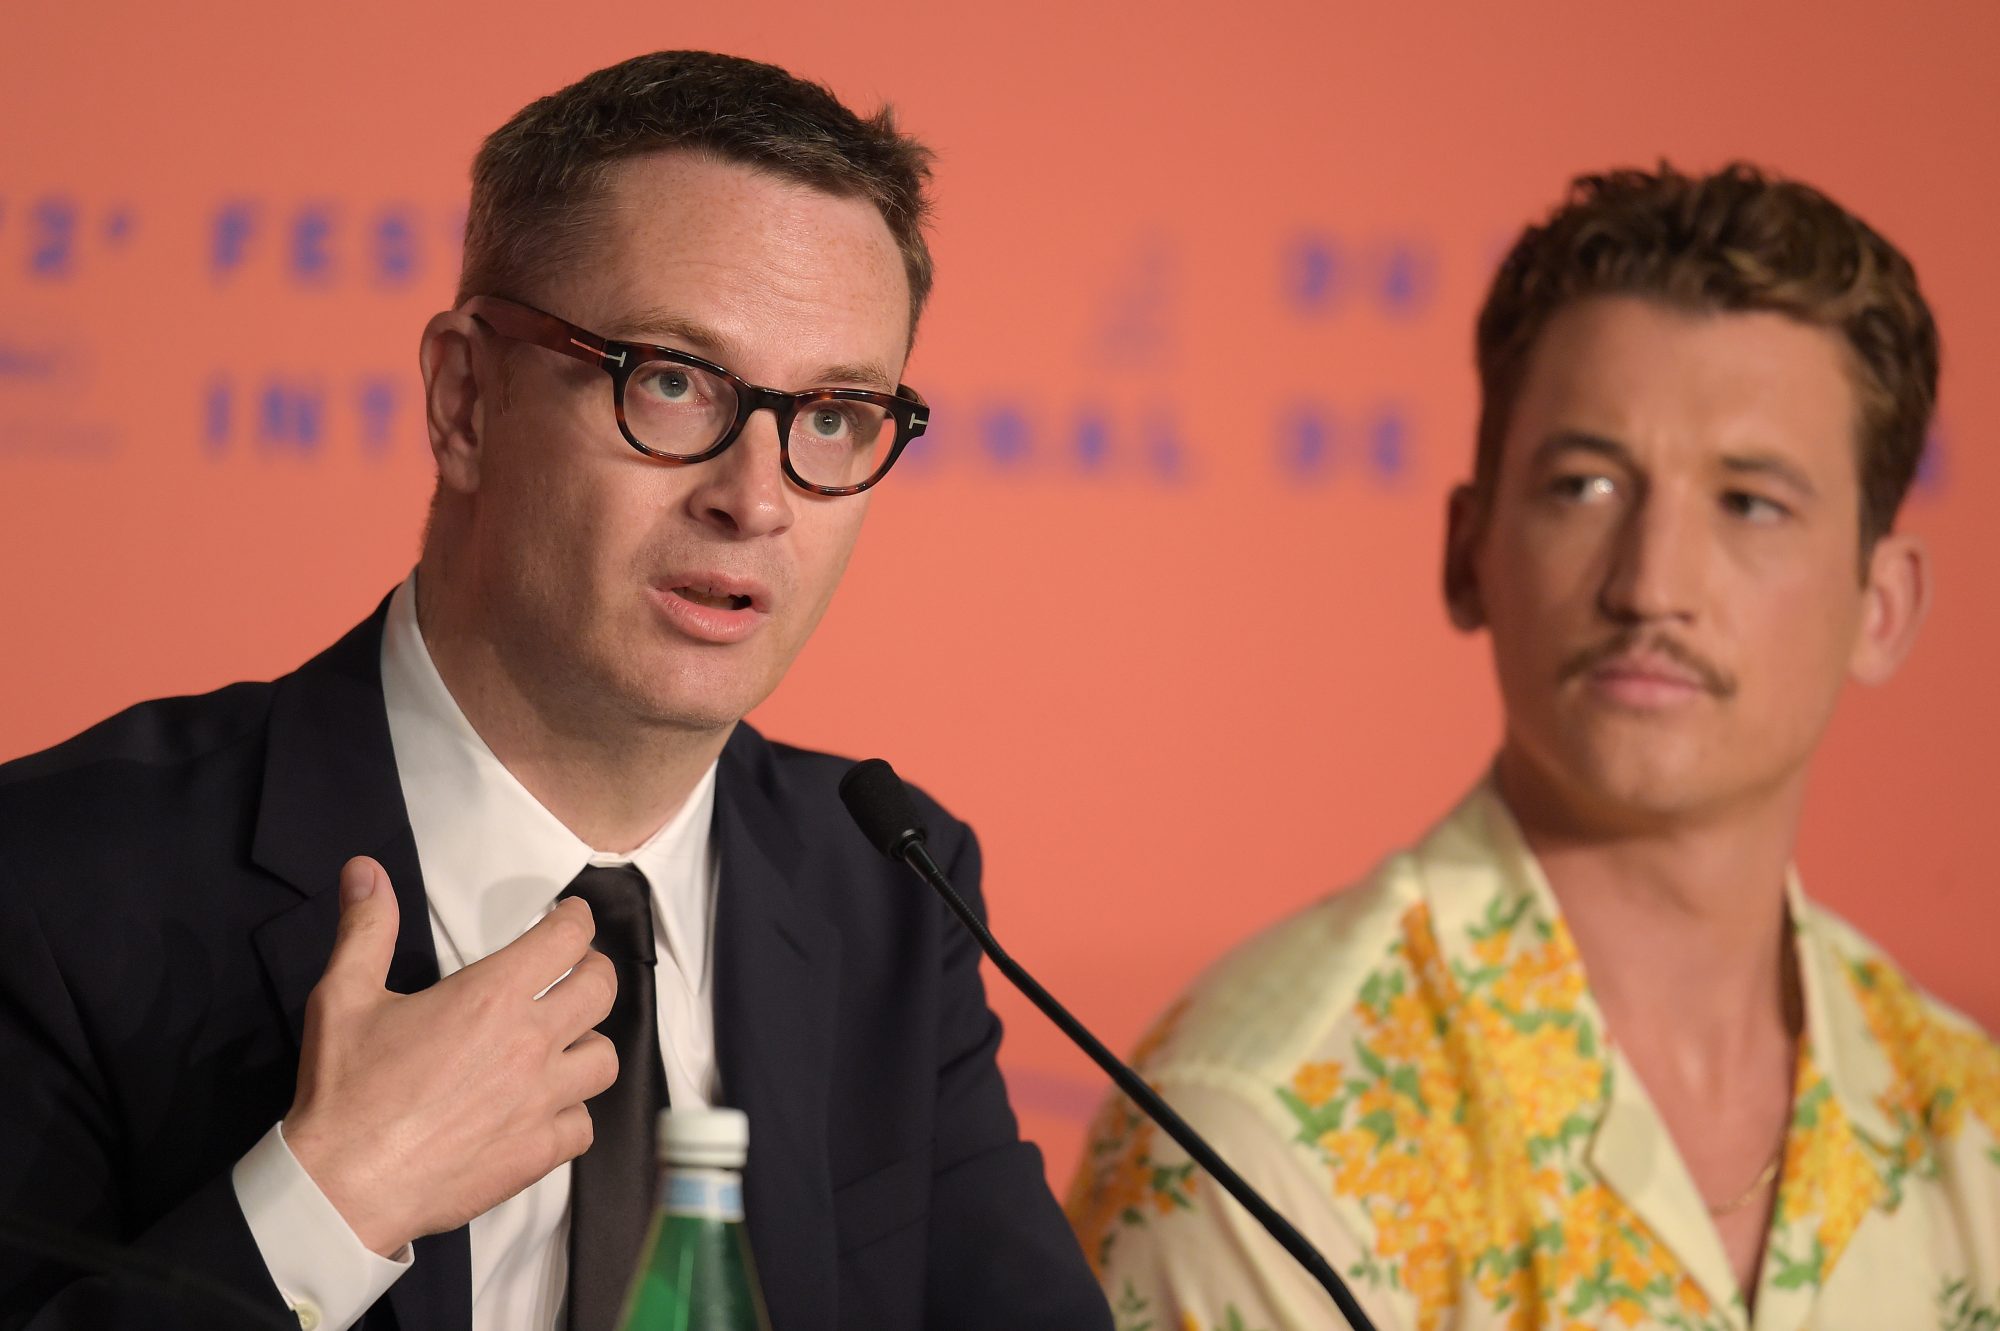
column 357, row 884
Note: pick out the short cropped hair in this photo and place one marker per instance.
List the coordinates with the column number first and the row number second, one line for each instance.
column 1735, row 240
column 538, row 183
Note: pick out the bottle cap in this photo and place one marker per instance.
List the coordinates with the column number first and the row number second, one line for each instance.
column 705, row 1138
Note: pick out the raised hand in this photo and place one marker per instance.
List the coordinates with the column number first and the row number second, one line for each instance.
column 416, row 1112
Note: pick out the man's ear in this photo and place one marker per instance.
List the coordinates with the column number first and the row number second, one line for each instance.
column 1465, row 518
column 456, row 399
column 1896, row 594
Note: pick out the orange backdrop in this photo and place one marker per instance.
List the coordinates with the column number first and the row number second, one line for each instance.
column 1154, row 606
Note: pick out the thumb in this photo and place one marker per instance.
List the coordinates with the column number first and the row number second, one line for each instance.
column 368, row 922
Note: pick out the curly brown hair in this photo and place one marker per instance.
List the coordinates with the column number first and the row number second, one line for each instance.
column 538, row 181
column 1737, row 239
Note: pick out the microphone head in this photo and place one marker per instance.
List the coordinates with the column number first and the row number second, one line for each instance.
column 881, row 807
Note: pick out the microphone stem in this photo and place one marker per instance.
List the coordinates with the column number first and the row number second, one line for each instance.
column 1143, row 1095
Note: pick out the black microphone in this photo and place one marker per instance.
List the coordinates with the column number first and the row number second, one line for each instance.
column 881, row 807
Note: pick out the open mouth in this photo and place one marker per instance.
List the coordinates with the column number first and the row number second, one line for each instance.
column 713, row 600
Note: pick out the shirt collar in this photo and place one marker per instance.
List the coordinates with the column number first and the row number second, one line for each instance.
column 1477, row 870
column 494, row 859
column 1478, row 861
column 1856, row 1066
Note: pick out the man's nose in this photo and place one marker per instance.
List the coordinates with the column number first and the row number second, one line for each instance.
column 1658, row 561
column 743, row 493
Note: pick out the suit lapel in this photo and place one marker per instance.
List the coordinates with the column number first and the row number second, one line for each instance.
column 777, row 972
column 331, row 792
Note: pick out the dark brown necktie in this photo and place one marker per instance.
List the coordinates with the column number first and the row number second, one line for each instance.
column 611, row 1184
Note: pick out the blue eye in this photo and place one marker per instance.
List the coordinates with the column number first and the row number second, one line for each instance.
column 670, row 385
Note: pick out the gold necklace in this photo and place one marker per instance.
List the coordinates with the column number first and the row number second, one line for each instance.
column 1757, row 1185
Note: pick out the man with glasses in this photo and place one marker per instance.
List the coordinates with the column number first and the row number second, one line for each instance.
column 351, row 999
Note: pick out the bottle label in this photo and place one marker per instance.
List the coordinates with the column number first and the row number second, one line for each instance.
column 709, row 1194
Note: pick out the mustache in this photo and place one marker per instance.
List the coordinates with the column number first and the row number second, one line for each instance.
column 1712, row 677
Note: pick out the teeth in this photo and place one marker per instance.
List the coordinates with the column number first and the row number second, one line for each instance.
column 713, row 600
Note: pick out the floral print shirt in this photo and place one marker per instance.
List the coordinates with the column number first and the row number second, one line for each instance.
column 1415, row 1073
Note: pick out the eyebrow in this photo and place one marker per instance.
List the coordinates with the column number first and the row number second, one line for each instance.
column 1566, row 441
column 660, row 325
column 1780, row 469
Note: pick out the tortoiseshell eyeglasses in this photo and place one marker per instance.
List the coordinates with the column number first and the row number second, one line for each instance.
column 681, row 408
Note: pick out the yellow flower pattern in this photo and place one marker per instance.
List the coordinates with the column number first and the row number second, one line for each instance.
column 1448, row 1118
column 1462, row 1136
column 1827, row 1184
column 1945, row 1070
column 1125, row 1183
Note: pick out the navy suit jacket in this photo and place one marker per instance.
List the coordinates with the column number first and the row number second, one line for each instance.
column 167, row 902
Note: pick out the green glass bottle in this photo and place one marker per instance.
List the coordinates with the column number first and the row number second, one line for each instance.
column 696, row 1274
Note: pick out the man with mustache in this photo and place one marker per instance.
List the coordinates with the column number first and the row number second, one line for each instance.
column 352, row 999
column 1586, row 1055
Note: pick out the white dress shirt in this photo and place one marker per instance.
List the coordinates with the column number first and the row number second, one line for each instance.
column 494, row 861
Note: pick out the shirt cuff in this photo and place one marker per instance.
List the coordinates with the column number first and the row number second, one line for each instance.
column 327, row 1276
